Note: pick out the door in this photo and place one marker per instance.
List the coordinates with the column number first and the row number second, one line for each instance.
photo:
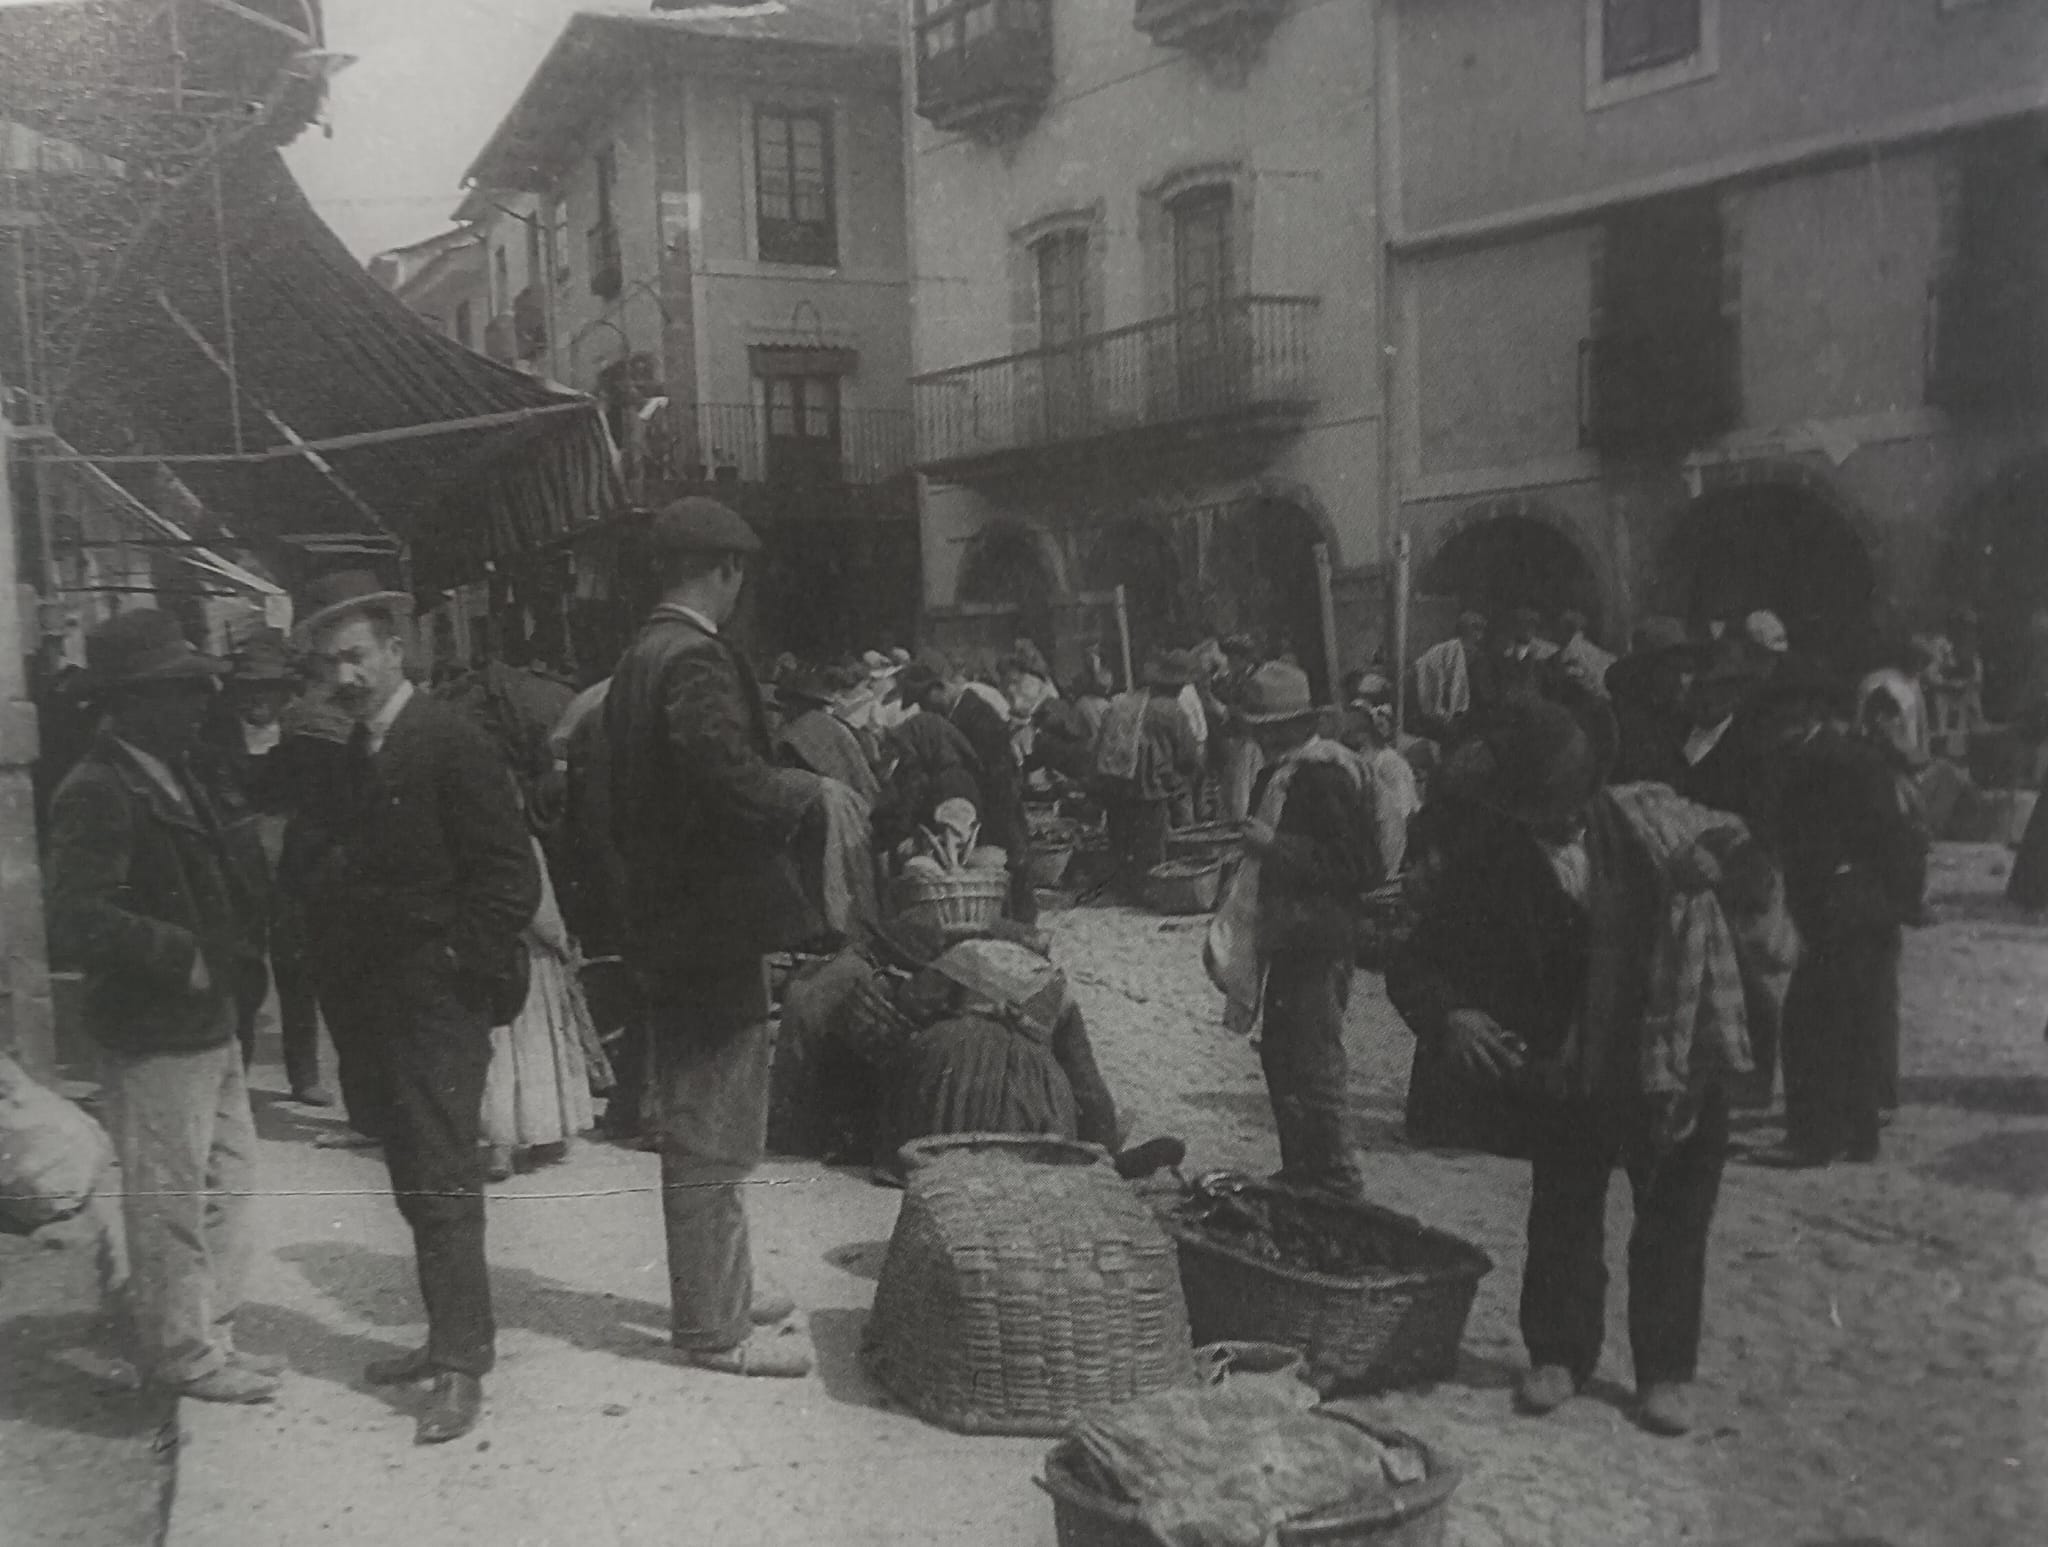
column 803, row 429
column 1063, row 327
column 1203, row 284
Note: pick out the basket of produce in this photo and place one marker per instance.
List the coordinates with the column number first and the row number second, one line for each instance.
column 1184, row 886
column 1206, row 840
column 1245, row 1462
column 1374, row 1299
column 1024, row 1283
column 953, row 882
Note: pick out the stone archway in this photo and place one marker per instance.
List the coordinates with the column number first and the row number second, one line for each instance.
column 1783, row 546
column 1007, row 565
column 1140, row 556
column 1262, row 581
column 1503, row 557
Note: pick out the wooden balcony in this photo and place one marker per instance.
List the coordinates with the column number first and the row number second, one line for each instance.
column 1242, row 370
column 693, row 443
column 993, row 84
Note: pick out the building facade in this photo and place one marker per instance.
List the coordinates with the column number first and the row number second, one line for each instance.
column 1707, row 305
column 443, row 280
column 1148, row 323
column 699, row 217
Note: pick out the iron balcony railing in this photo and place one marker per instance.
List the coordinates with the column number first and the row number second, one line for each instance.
column 1249, row 357
column 712, row 442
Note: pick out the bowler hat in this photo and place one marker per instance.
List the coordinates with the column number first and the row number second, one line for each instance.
column 264, row 658
column 143, row 646
column 1275, row 694
column 700, row 525
column 346, row 592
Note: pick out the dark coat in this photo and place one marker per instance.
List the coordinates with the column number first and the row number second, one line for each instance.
column 1854, row 856
column 1324, row 859
column 139, row 888
column 704, row 818
column 1001, row 777
column 430, row 850
column 934, row 763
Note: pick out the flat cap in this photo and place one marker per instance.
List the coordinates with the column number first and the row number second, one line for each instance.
column 700, row 525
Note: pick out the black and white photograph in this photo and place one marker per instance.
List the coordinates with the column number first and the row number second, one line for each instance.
column 1024, row 773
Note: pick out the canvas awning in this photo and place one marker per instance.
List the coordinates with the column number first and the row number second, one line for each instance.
column 241, row 345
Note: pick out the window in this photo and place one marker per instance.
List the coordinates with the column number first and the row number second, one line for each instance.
column 501, row 281
column 1634, row 47
column 607, row 274
column 558, row 241
column 1063, row 321
column 535, row 262
column 1201, row 249
column 793, row 186
column 803, row 427
column 465, row 325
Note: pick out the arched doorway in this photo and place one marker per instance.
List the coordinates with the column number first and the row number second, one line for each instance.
column 1501, row 563
column 1999, row 565
column 1006, row 567
column 1139, row 556
column 1783, row 548
column 1262, row 581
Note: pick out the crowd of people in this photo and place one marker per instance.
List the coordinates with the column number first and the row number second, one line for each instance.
column 1623, row 891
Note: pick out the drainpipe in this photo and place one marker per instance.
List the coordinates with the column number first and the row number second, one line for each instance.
column 27, row 1021
column 1386, row 216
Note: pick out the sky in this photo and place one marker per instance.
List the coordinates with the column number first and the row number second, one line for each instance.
column 432, row 79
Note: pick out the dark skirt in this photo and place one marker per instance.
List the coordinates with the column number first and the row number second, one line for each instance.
column 977, row 1075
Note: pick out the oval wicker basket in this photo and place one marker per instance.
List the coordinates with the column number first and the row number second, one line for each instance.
column 1184, row 886
column 1414, row 1516
column 960, row 903
column 1024, row 1282
column 1375, row 1331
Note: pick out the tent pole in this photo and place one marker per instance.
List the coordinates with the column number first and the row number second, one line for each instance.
column 227, row 308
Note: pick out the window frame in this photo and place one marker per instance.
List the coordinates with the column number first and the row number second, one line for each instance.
column 790, row 241
column 1701, row 64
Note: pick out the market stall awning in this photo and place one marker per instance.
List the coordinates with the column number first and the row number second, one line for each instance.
column 243, row 346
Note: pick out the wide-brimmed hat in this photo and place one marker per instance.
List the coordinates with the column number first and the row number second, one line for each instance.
column 1533, row 760
column 264, row 659
column 1275, row 694
column 346, row 592
column 143, row 647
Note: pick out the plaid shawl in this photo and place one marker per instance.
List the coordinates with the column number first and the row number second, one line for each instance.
column 1722, row 948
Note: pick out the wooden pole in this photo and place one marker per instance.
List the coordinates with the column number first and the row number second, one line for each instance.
column 1333, row 669
column 27, row 1020
column 1123, row 635
column 1403, row 561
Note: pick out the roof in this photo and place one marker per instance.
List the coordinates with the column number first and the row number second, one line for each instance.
column 398, row 268
column 416, row 437
column 602, row 55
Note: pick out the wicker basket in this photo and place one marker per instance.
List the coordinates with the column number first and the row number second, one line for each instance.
column 1387, row 1328
column 962, row 903
column 1025, row 1282
column 1184, row 886
column 1206, row 840
column 1415, row 1516
column 1048, row 863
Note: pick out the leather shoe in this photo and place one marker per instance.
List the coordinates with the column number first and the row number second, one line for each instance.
column 312, row 1096
column 401, row 1371
column 1545, row 1389
column 230, row 1383
column 452, row 1409
column 1666, row 1408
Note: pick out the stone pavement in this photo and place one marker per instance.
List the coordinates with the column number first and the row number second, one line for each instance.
column 592, row 1434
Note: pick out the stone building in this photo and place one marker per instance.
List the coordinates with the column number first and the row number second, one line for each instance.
column 1148, row 323
column 1706, row 305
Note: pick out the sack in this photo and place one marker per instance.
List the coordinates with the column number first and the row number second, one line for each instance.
column 51, row 1153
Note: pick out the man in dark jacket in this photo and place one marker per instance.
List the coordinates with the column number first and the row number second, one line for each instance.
column 706, row 823
column 416, row 913
column 153, row 895
column 1312, row 834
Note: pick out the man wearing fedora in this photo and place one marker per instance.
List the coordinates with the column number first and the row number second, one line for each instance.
column 1311, row 856
column 152, row 896
column 416, row 910
column 706, row 823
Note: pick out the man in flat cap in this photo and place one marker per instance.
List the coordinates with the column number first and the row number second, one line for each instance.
column 416, row 910
column 706, row 821
column 152, row 896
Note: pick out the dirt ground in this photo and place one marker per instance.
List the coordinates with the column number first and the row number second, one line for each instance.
column 1873, row 1364
column 1872, row 1372
column 85, row 1459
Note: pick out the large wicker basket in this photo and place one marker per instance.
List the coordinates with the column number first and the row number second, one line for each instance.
column 1184, row 886
column 1389, row 1327
column 963, row 903
column 1415, row 1516
column 1025, row 1282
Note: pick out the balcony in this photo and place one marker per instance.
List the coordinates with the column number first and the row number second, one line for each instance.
column 1658, row 393
column 499, row 340
column 529, row 324
column 1213, row 28
column 729, row 443
column 1244, row 368
column 984, row 67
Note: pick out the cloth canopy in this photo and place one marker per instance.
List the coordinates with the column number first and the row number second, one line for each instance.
column 239, row 327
